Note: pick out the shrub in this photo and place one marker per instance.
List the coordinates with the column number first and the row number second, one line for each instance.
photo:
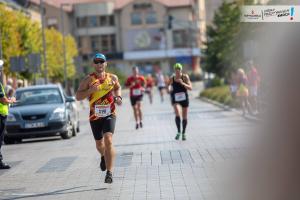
column 221, row 94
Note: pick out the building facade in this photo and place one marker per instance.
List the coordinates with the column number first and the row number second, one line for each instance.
column 149, row 34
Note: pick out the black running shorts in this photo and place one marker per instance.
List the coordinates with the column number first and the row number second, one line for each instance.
column 135, row 99
column 102, row 126
column 183, row 104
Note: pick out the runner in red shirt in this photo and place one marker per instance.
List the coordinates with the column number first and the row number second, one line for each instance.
column 149, row 86
column 136, row 83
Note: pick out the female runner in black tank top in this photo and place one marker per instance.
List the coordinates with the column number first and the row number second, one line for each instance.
column 180, row 84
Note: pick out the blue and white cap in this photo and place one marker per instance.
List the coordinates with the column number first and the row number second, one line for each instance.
column 99, row 56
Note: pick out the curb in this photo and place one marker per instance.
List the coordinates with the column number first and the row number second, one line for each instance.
column 228, row 108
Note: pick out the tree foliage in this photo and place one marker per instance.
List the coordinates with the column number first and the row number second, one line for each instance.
column 223, row 52
column 21, row 36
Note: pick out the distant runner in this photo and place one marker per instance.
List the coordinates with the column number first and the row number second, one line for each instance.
column 149, row 86
column 136, row 83
column 161, row 84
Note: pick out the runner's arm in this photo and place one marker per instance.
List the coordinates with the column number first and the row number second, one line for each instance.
column 117, row 86
column 169, row 83
column 187, row 83
column 128, row 83
column 83, row 90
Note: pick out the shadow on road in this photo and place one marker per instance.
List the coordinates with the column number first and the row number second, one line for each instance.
column 54, row 193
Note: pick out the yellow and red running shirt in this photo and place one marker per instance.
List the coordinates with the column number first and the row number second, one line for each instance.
column 102, row 101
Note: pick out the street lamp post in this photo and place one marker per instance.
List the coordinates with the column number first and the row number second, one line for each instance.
column 44, row 41
column 1, row 57
column 64, row 45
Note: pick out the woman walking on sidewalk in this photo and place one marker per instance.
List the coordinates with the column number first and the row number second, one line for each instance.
column 180, row 83
column 243, row 92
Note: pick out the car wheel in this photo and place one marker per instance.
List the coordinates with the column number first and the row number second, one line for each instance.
column 8, row 140
column 67, row 134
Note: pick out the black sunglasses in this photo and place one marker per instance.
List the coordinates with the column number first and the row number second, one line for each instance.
column 99, row 61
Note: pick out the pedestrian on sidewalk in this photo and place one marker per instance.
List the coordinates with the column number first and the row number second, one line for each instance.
column 136, row 84
column 103, row 91
column 253, row 83
column 149, row 87
column 4, row 106
column 243, row 92
column 233, row 84
column 180, row 83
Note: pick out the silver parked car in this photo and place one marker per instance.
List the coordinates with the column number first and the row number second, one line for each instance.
column 42, row 110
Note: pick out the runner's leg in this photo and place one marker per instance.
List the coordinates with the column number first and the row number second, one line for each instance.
column 177, row 120
column 184, row 121
column 109, row 151
column 140, row 114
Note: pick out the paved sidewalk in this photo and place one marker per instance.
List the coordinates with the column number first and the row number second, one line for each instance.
column 150, row 164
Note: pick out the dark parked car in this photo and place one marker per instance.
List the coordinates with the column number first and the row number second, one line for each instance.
column 42, row 110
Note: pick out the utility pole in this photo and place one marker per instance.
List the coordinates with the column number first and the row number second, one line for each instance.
column 64, row 46
column 42, row 11
column 1, row 57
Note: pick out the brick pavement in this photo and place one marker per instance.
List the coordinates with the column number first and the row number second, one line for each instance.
column 150, row 164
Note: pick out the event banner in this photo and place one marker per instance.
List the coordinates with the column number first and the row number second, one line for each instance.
column 270, row 13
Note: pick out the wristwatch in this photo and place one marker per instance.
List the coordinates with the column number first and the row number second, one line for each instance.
column 115, row 98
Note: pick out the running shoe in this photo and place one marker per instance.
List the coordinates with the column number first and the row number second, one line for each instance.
column 108, row 177
column 177, row 136
column 141, row 125
column 102, row 164
column 183, row 137
column 137, row 126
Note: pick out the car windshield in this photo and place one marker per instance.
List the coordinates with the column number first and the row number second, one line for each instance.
column 38, row 96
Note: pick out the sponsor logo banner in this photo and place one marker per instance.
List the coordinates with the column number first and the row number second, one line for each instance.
column 270, row 13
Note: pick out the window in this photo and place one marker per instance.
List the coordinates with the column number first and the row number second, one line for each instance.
column 81, row 22
column 180, row 38
column 104, row 43
column 136, row 18
column 151, row 17
column 79, row 42
column 95, row 43
column 111, row 20
column 93, row 21
column 103, row 21
column 113, row 43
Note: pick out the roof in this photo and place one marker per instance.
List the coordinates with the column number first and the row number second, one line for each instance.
column 119, row 4
column 33, row 87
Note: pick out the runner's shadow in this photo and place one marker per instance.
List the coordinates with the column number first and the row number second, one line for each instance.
column 57, row 192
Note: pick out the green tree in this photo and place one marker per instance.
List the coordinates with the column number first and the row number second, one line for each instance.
column 21, row 37
column 223, row 54
column 55, row 58
column 30, row 40
column 9, row 35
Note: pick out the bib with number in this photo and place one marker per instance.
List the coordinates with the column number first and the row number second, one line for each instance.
column 102, row 110
column 180, row 96
column 136, row 92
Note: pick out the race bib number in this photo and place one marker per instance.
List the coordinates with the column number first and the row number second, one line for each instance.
column 102, row 110
column 136, row 92
column 180, row 96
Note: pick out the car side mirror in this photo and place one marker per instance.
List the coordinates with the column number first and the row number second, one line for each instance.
column 70, row 99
